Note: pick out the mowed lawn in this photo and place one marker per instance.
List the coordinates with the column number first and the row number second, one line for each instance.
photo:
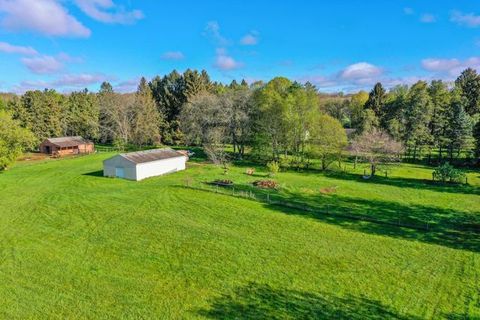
column 76, row 245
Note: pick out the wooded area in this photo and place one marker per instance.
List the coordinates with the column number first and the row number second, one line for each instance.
column 278, row 120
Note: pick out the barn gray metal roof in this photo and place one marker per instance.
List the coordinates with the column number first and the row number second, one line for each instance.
column 151, row 155
column 68, row 141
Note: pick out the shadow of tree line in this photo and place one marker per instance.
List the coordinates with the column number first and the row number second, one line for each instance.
column 440, row 226
column 256, row 301
column 446, row 227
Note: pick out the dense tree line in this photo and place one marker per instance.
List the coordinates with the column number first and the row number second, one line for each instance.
column 277, row 120
column 430, row 119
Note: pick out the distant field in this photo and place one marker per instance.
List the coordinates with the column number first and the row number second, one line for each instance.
column 76, row 245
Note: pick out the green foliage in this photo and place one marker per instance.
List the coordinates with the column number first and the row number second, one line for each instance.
column 146, row 118
column 43, row 113
column 376, row 99
column 417, row 116
column 469, row 85
column 273, row 168
column 459, row 131
column 286, row 112
column 327, row 141
column 476, row 135
column 82, row 115
column 448, row 173
column 14, row 140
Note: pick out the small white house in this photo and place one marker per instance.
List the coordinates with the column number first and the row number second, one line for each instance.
column 144, row 164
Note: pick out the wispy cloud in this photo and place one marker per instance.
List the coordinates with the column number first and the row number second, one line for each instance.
column 45, row 64
column 173, row 55
column 428, row 18
column 225, row 62
column 127, row 86
column 46, row 17
column 212, row 31
column 465, row 19
column 10, row 48
column 250, row 39
column 80, row 80
column 107, row 11
column 66, row 83
column 450, row 67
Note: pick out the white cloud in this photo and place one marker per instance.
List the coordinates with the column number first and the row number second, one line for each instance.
column 10, row 48
column 43, row 64
column 428, row 18
column 465, row 19
column 359, row 75
column 250, row 39
column 225, row 62
column 450, row 67
column 173, row 55
column 107, row 12
column 360, row 72
column 47, row 17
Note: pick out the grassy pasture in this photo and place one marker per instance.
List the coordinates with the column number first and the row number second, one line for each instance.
column 76, row 245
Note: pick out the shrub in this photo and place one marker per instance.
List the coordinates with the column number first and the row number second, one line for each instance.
column 273, row 168
column 266, row 184
column 447, row 173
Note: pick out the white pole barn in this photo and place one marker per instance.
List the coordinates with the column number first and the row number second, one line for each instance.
column 144, row 164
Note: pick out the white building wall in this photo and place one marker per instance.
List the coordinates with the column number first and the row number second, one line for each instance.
column 110, row 165
column 160, row 167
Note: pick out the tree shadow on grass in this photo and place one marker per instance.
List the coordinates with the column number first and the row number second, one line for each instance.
column 455, row 229
column 440, row 226
column 407, row 183
column 98, row 174
column 256, row 301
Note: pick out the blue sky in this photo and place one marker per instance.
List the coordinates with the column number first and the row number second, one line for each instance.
column 342, row 45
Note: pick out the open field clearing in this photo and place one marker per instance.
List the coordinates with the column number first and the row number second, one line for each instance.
column 76, row 245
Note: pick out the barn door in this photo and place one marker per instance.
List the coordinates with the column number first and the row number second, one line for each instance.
column 119, row 173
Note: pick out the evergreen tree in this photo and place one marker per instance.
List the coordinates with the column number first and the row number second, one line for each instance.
column 169, row 96
column 146, row 118
column 106, row 104
column 376, row 100
column 459, row 131
column 82, row 114
column 469, row 85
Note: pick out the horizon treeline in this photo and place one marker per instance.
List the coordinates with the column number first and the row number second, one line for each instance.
column 433, row 120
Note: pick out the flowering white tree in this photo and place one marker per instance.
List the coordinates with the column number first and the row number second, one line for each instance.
column 377, row 148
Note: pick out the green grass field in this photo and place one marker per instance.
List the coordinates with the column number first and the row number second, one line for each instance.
column 76, row 245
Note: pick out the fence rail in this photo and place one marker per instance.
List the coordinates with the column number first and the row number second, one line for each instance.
column 270, row 199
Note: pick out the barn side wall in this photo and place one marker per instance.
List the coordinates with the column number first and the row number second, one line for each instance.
column 160, row 167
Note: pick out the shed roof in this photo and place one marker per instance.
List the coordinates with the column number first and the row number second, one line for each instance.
column 68, row 141
column 151, row 155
